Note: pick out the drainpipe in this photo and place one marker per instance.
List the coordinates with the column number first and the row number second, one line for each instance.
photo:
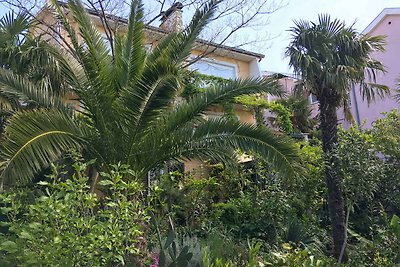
column 358, row 120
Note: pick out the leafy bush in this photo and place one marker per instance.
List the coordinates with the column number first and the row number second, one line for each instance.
column 386, row 139
column 62, row 223
column 295, row 257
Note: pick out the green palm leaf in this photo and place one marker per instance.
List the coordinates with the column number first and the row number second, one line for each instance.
column 248, row 137
column 35, row 139
column 194, row 108
column 20, row 88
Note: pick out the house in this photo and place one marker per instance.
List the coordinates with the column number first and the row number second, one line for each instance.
column 216, row 59
column 387, row 23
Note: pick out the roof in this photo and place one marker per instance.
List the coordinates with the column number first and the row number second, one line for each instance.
column 385, row 12
column 202, row 42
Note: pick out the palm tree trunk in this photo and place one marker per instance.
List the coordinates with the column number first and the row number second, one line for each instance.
column 333, row 180
column 1, row 126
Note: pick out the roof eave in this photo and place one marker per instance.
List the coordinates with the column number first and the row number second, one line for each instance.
column 385, row 12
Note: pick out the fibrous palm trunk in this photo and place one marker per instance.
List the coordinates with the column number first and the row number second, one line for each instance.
column 333, row 179
column 1, row 126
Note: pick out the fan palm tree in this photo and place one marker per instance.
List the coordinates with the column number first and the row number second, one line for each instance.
column 130, row 110
column 13, row 29
column 331, row 58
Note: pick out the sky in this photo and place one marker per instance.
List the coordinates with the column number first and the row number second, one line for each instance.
column 361, row 11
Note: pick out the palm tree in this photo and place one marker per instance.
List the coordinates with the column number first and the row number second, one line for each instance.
column 13, row 29
column 331, row 58
column 302, row 113
column 130, row 109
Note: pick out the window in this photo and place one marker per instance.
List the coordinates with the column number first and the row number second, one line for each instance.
column 148, row 47
column 215, row 68
column 312, row 99
column 107, row 42
column 217, row 115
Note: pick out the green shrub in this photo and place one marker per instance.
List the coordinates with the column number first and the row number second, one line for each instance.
column 62, row 223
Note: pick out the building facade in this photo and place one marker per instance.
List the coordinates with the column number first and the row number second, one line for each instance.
column 387, row 24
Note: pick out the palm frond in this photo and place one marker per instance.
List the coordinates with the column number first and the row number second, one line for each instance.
column 47, row 61
column 221, row 139
column 157, row 87
column 176, row 47
column 194, row 108
column 34, row 139
column 76, row 48
column 134, row 48
column 12, row 27
column 249, row 138
column 18, row 87
column 96, row 58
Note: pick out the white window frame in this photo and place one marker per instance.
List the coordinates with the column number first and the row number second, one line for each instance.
column 216, row 62
column 216, row 115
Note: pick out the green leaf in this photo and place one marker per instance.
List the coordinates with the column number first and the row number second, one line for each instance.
column 34, row 225
column 9, row 246
column 44, row 183
column 106, row 182
column 170, row 239
column 25, row 235
column 395, row 225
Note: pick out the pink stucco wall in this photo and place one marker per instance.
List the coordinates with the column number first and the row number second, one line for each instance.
column 389, row 26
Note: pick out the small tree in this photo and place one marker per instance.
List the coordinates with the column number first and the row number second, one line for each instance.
column 361, row 168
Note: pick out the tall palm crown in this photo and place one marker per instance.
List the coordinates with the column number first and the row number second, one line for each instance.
column 130, row 110
column 331, row 58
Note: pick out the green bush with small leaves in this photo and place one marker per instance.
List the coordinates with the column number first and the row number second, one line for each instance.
column 61, row 222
